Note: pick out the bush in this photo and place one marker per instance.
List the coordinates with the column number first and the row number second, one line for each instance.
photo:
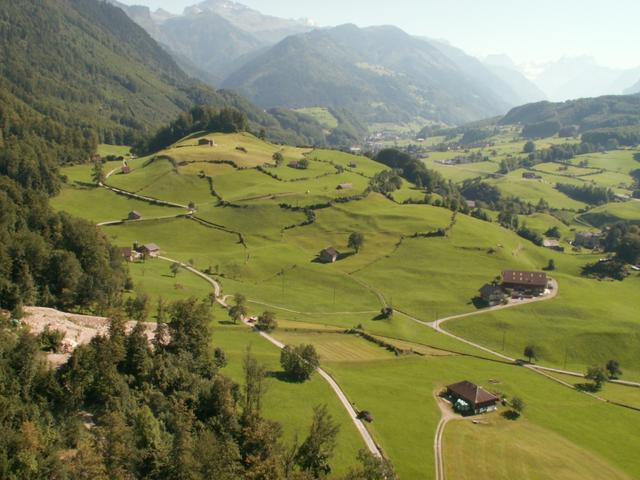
column 267, row 322
column 50, row 340
column 614, row 269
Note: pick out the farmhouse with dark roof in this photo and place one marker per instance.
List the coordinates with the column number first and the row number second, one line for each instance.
column 468, row 398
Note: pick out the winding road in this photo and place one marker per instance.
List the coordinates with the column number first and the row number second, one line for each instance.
column 364, row 433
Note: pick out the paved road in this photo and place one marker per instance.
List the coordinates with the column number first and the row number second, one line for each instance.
column 364, row 433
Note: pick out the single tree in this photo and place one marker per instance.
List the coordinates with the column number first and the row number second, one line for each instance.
column 237, row 313
column 356, row 241
column 267, row 322
column 317, row 449
column 597, row 375
column 531, row 352
column 299, row 362
column 517, row 405
column 97, row 172
column 278, row 158
column 175, row 268
column 219, row 358
column 371, row 468
column 239, row 299
column 553, row 232
column 303, row 164
column 551, row 265
column 613, row 369
column 529, row 147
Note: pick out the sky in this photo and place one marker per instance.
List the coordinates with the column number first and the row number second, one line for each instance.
column 529, row 31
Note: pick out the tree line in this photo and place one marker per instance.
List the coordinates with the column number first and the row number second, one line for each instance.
column 125, row 407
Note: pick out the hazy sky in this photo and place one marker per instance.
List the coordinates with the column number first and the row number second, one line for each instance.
column 527, row 30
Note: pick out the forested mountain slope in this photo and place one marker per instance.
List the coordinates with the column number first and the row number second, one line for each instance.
column 381, row 74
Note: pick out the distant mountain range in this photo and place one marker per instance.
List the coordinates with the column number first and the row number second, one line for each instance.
column 380, row 73
column 580, row 77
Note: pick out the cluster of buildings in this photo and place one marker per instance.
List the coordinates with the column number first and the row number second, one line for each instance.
column 515, row 284
column 132, row 254
column 589, row 240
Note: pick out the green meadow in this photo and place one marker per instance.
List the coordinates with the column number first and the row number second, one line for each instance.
column 259, row 244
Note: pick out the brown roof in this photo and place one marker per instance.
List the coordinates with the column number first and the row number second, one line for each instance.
column 151, row 247
column 533, row 279
column 332, row 252
column 472, row 393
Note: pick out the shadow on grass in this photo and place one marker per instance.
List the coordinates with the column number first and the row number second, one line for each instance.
column 282, row 377
column 227, row 322
column 587, row 387
column 511, row 415
column 479, row 303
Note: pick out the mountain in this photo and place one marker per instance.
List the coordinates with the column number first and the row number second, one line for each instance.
column 193, row 36
column 635, row 88
column 210, row 38
column 504, row 68
column 265, row 27
column 580, row 77
column 587, row 114
column 84, row 63
column 381, row 74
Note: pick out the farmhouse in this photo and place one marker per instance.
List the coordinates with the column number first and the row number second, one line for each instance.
column 553, row 245
column 587, row 239
column 533, row 283
column 470, row 399
column 329, row 255
column 492, row 294
column 530, row 175
column 471, row 203
column 134, row 215
column 125, row 169
column 150, row 249
column 129, row 254
column 344, row 186
column 297, row 164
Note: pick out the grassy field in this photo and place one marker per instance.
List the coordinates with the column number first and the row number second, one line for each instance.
column 256, row 152
column 405, row 413
column 117, row 150
column 575, row 330
column 322, row 115
column 489, row 450
column 155, row 279
column 99, row 205
column 617, row 160
column 263, row 250
column 613, row 212
column 532, row 191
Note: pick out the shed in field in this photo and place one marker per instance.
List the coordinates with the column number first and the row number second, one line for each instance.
column 329, row 255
